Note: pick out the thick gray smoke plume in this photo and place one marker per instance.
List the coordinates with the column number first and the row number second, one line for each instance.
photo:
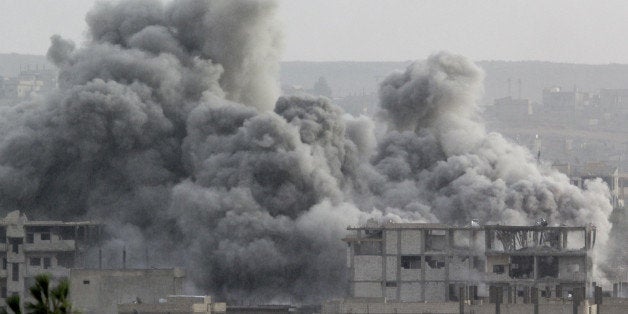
column 166, row 126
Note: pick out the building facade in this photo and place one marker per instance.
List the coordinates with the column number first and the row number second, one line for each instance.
column 99, row 291
column 29, row 248
column 415, row 262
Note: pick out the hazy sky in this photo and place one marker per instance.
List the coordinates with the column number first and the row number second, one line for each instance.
column 555, row 30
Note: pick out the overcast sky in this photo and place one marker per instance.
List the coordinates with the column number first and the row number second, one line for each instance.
column 372, row 30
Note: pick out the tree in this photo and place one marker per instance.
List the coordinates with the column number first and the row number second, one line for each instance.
column 47, row 300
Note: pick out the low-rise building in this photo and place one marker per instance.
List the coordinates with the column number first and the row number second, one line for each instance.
column 99, row 291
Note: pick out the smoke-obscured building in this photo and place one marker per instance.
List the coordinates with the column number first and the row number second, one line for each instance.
column 578, row 174
column 30, row 248
column 413, row 262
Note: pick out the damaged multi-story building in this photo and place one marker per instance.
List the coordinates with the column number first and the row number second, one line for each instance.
column 431, row 262
column 29, row 248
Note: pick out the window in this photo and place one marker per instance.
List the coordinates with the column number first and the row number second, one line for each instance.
column 45, row 236
column 573, row 268
column 30, row 237
column 46, row 262
column 86, row 282
column 3, row 292
column 15, row 272
column 435, row 262
column 411, row 262
column 498, row 269
column 373, row 233
column 35, row 261
column 391, row 283
column 436, row 240
column 478, row 264
column 4, row 263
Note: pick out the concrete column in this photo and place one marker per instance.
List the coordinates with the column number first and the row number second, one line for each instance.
column 535, row 299
column 536, row 267
column 461, row 300
column 575, row 300
column 398, row 265
column 598, row 299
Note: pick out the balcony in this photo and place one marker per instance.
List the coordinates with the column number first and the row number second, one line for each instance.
column 50, row 246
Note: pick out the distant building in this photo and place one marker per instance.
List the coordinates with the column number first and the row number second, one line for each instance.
column 558, row 99
column 28, row 83
column 512, row 110
column 99, row 291
column 614, row 99
column 30, row 248
column 416, row 262
column 592, row 170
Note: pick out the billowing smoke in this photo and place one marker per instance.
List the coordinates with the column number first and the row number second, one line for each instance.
column 166, row 126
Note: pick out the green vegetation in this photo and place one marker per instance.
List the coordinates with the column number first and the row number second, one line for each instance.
column 47, row 300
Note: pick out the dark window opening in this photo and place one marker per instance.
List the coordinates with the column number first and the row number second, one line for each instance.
column 478, row 263
column 3, row 235
column 15, row 272
column 391, row 283
column 65, row 260
column 3, row 292
column 499, row 269
column 35, row 261
column 521, row 267
column 411, row 262
column 46, row 262
column 15, row 242
column 548, row 266
column 453, row 293
column 373, row 234
column 368, row 248
column 4, row 263
column 435, row 262
column 545, row 294
column 86, row 282
column 67, row 233
column 520, row 293
column 45, row 236
column 436, row 240
column 30, row 237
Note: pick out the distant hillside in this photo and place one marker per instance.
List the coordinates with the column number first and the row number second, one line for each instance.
column 362, row 78
column 10, row 63
column 356, row 78
column 536, row 75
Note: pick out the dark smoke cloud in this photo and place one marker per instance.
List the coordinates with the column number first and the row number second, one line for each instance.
column 441, row 164
column 166, row 126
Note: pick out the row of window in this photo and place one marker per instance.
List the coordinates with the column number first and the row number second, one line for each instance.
column 33, row 261
column 30, row 237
